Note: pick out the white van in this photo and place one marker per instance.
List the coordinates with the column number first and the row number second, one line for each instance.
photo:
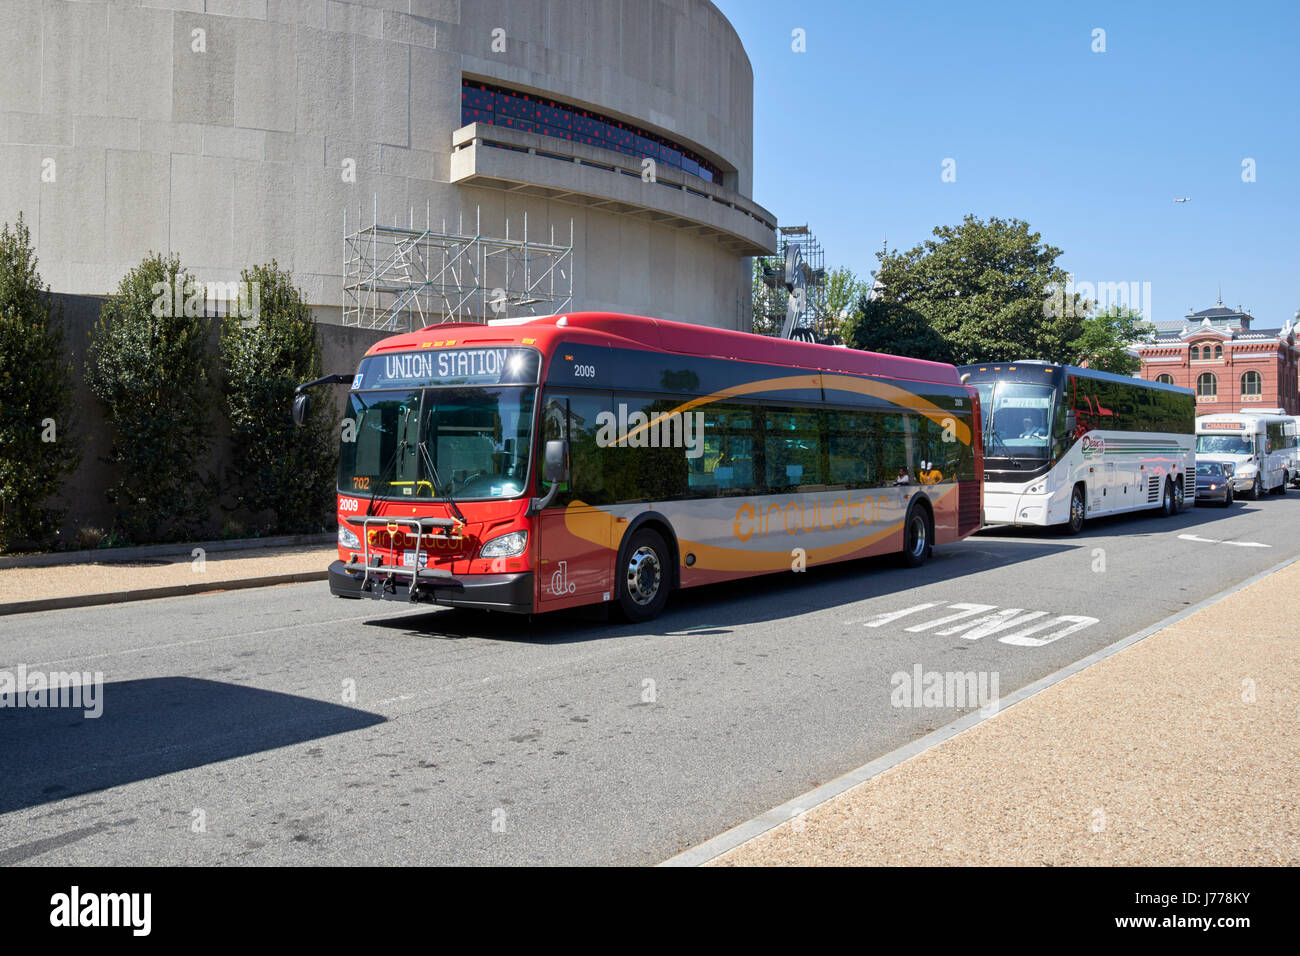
column 1259, row 448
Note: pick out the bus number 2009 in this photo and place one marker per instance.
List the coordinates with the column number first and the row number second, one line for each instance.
column 584, row 371
column 362, row 482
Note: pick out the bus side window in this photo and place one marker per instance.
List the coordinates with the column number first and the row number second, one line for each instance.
column 573, row 416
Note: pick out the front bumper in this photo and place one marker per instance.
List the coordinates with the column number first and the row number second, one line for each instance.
column 1203, row 493
column 490, row 592
column 1001, row 507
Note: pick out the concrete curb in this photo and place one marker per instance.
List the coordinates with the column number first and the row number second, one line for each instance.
column 113, row 555
column 148, row 594
column 715, row 847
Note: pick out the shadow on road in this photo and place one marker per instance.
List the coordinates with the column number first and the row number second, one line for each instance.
column 149, row 728
column 702, row 611
column 1136, row 523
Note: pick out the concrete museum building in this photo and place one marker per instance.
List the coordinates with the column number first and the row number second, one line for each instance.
column 406, row 159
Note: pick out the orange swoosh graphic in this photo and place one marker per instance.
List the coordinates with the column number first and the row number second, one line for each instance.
column 840, row 383
column 595, row 525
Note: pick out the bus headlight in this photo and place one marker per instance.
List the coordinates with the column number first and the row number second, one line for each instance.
column 1037, row 489
column 506, row 546
column 348, row 540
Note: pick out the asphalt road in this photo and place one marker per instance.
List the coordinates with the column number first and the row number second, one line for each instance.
column 284, row 726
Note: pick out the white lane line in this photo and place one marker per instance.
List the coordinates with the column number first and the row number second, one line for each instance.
column 1238, row 544
column 744, row 832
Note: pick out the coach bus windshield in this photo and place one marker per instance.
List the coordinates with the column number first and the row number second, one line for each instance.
column 1018, row 419
column 1225, row 445
column 471, row 443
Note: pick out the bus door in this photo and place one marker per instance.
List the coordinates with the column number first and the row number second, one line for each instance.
column 577, row 541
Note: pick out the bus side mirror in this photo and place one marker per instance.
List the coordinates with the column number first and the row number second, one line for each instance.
column 555, row 467
column 301, row 408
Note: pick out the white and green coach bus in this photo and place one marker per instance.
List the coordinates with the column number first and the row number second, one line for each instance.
column 1063, row 444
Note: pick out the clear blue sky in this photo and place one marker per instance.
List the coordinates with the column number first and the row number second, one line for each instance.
column 1089, row 148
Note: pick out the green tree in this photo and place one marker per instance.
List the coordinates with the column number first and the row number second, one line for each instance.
column 843, row 289
column 275, row 466
column 987, row 289
column 1106, row 338
column 148, row 363
column 880, row 325
column 36, row 446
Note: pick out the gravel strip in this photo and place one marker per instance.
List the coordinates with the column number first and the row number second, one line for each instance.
column 27, row 584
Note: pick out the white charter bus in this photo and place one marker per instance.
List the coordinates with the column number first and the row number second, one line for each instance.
column 1259, row 448
column 1062, row 444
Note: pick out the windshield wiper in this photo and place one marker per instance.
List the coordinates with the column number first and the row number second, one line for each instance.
column 1005, row 447
column 392, row 461
column 423, row 445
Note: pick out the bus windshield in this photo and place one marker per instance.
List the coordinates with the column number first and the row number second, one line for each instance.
column 1017, row 419
column 1225, row 445
column 472, row 443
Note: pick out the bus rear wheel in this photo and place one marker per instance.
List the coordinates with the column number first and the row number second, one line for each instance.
column 643, row 577
column 918, row 538
column 1169, row 503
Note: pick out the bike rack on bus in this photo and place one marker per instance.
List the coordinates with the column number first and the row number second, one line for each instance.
column 389, row 583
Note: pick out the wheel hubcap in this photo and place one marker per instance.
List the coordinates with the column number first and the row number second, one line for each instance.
column 918, row 536
column 1076, row 509
column 643, row 574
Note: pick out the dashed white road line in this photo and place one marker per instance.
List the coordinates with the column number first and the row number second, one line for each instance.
column 1238, row 544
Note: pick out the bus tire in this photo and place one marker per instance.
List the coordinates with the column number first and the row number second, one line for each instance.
column 644, row 576
column 1078, row 511
column 1168, row 502
column 1180, row 494
column 918, row 536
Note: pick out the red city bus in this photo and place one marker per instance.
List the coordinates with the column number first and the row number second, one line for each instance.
column 529, row 465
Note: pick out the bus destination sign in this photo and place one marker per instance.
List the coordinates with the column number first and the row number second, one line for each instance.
column 499, row 366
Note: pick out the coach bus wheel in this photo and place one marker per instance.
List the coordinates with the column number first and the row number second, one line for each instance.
column 917, row 538
column 644, row 577
column 1078, row 511
column 1180, row 495
column 1168, row 504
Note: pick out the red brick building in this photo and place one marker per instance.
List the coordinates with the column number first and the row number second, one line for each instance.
column 1231, row 366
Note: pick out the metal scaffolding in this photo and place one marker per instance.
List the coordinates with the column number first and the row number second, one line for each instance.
column 771, row 285
column 400, row 278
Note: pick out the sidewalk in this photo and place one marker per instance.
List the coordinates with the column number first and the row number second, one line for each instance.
column 80, row 585
column 1157, row 755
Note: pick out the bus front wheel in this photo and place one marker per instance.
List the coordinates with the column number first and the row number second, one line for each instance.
column 644, row 575
column 1078, row 511
column 918, row 538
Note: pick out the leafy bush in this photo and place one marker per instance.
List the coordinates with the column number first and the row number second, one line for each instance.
column 149, row 366
column 36, row 446
column 277, row 467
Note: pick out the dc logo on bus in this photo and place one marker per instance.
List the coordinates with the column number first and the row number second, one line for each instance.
column 1092, row 446
column 560, row 583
